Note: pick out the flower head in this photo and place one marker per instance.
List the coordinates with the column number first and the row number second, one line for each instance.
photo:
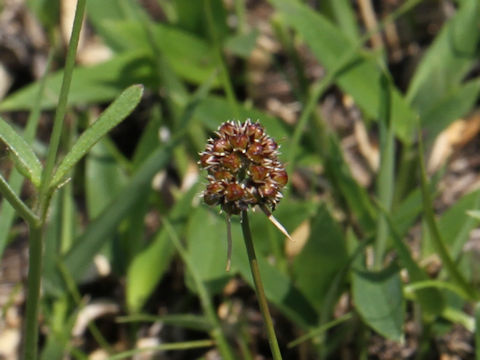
column 243, row 171
column 243, row 168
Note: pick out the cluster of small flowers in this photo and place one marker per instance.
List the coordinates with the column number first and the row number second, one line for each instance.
column 243, row 168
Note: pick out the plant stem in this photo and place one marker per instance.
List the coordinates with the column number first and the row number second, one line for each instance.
column 36, row 227
column 262, row 300
column 62, row 107
column 33, row 291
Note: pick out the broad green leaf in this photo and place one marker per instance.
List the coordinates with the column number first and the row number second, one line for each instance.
column 92, row 84
column 25, row 159
column 157, row 255
column 189, row 56
column 378, row 298
column 290, row 214
column 431, row 300
column 360, row 78
column 279, row 289
column 112, row 116
column 207, row 249
column 323, row 256
column 447, row 60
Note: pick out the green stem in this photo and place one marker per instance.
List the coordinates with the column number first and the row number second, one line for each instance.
column 262, row 300
column 33, row 291
column 62, row 106
column 36, row 227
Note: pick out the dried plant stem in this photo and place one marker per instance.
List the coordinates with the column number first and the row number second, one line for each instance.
column 368, row 15
column 262, row 300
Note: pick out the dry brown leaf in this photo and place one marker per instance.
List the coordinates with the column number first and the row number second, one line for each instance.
column 453, row 138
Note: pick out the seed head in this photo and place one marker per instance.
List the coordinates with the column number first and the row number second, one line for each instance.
column 243, row 168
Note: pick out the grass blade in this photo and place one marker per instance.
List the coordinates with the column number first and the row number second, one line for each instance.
column 436, row 237
column 385, row 182
column 447, row 60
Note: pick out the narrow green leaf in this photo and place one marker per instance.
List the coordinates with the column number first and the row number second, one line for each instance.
column 455, row 226
column 343, row 14
column 437, row 238
column 385, row 181
column 89, row 243
column 20, row 207
column 188, row 55
column 157, row 254
column 355, row 196
column 16, row 179
column 360, row 79
column 104, row 179
column 447, row 60
column 164, row 347
column 92, row 84
column 25, row 159
column 379, row 300
column 187, row 321
column 113, row 115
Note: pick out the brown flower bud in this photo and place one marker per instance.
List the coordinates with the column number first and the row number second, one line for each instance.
column 255, row 152
column 239, row 142
column 234, row 192
column 232, row 162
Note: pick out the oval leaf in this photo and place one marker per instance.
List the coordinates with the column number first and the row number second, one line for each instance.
column 112, row 116
column 379, row 300
column 25, row 159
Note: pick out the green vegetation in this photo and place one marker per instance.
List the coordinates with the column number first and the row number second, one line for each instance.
column 363, row 268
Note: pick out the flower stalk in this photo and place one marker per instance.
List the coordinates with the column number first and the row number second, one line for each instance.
column 244, row 172
column 262, row 300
